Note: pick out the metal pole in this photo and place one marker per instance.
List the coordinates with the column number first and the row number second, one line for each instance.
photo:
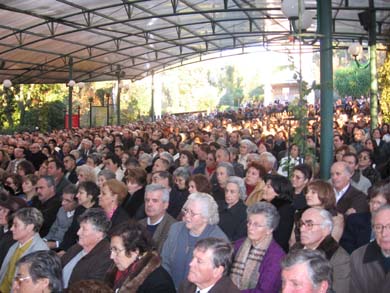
column 108, row 109
column 373, row 73
column 326, row 69
column 118, row 96
column 90, row 113
column 152, row 106
column 70, row 112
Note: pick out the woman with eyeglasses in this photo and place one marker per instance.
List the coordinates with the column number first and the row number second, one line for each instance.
column 366, row 166
column 137, row 266
column 200, row 221
column 358, row 230
column 256, row 266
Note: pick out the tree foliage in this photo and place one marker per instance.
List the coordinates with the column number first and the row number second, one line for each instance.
column 352, row 81
column 384, row 86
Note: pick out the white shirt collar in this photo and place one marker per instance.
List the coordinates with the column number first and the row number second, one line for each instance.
column 157, row 222
column 339, row 194
column 205, row 290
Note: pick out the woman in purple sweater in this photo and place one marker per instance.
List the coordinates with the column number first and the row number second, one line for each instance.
column 256, row 267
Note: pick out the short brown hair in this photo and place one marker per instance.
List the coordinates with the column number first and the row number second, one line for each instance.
column 259, row 167
column 325, row 193
column 118, row 188
column 137, row 175
column 202, row 183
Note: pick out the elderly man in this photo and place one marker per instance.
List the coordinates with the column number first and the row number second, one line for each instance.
column 306, row 271
column 70, row 167
column 47, row 202
column 90, row 258
column 268, row 161
column 200, row 221
column 38, row 272
column 209, row 267
column 349, row 199
column 316, row 227
column 158, row 221
column 358, row 181
column 370, row 264
column 26, row 224
column 56, row 169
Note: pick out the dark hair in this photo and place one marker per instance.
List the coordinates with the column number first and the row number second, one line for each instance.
column 165, row 174
column 256, row 165
column 27, row 167
column 137, row 175
column 281, row 185
column 114, row 158
column 349, row 154
column 381, row 188
column 97, row 218
column 222, row 252
column 44, row 265
column 32, row 178
column 134, row 237
column 70, row 189
column 59, row 165
column 190, row 156
column 202, row 183
column 89, row 286
column 49, row 180
column 305, row 169
column 91, row 188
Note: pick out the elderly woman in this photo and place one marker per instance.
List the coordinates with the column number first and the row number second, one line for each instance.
column 232, row 213
column 254, row 183
column 8, row 206
column 94, row 161
column 90, row 257
column 246, row 147
column 181, row 176
column 256, row 266
column 135, row 181
column 278, row 191
column 200, row 221
column 85, row 173
column 112, row 195
column 38, row 272
column 199, row 183
column 25, row 230
column 137, row 266
column 104, row 175
column 223, row 172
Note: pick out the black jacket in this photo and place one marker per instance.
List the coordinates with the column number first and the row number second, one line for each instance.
column 232, row 220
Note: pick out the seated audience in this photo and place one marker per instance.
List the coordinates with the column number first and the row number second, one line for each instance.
column 137, row 267
column 90, row 257
column 209, row 268
column 256, row 265
column 232, row 212
column 370, row 263
column 135, row 180
column 158, row 221
column 254, row 183
column 38, row 272
column 26, row 224
column 200, row 221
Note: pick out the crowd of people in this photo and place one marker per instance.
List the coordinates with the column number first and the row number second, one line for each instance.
column 219, row 203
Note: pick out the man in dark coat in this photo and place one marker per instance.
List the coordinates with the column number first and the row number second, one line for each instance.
column 208, row 271
column 349, row 199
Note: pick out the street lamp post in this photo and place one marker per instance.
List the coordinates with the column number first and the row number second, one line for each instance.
column 90, row 100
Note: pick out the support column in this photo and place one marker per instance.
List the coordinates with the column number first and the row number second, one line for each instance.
column 326, row 69
column 70, row 93
column 118, row 96
column 373, row 70
column 152, row 105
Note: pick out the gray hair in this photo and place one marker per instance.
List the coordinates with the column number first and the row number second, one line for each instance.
column 240, row 184
column 222, row 252
column 158, row 187
column 108, row 174
column 29, row 216
column 183, row 172
column 89, row 172
column 326, row 217
column 269, row 157
column 228, row 166
column 44, row 265
column 318, row 266
column 167, row 156
column 97, row 218
column 269, row 211
column 147, row 158
column 49, row 180
column 253, row 157
column 209, row 207
column 251, row 146
column 382, row 208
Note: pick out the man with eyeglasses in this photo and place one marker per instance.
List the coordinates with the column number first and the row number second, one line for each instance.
column 316, row 227
column 370, row 264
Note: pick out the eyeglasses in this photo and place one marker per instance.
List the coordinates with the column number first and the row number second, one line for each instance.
column 380, row 228
column 308, row 224
column 115, row 250
column 189, row 212
column 255, row 225
column 20, row 279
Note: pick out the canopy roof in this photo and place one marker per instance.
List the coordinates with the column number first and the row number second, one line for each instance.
column 107, row 38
